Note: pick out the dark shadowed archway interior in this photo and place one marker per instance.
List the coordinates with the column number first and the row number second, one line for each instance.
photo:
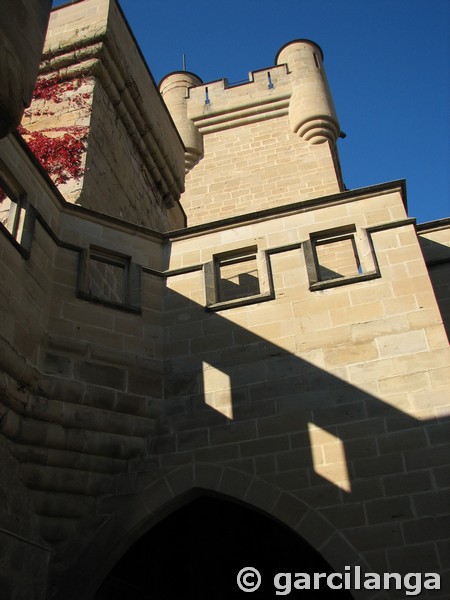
column 197, row 551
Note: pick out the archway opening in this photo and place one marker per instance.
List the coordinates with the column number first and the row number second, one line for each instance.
column 198, row 550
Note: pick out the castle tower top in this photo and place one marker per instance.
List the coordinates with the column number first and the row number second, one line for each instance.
column 296, row 85
column 258, row 144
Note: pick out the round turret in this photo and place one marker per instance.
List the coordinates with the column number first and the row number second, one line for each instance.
column 311, row 110
column 174, row 90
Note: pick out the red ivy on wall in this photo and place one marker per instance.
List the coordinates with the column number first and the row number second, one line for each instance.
column 60, row 155
column 52, row 89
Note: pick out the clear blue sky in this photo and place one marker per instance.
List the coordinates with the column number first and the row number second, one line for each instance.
column 387, row 62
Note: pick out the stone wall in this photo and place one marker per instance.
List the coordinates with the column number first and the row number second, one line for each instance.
column 23, row 30
column 434, row 241
column 132, row 164
column 335, row 391
column 317, row 393
column 287, row 351
column 239, row 173
column 82, row 373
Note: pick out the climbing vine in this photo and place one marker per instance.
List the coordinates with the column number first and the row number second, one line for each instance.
column 60, row 153
column 52, row 89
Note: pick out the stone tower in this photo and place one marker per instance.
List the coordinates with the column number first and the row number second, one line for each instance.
column 213, row 355
column 286, row 109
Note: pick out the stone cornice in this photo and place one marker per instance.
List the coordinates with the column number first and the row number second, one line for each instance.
column 244, row 114
column 434, row 225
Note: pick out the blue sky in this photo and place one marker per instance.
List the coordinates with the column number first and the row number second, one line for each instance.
column 387, row 62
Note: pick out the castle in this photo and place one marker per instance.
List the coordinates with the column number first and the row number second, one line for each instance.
column 213, row 355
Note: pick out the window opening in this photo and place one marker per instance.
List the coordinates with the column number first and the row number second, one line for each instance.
column 110, row 278
column 107, row 278
column 237, row 276
column 337, row 257
column 12, row 212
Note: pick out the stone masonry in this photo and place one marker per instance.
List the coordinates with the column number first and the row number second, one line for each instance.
column 215, row 316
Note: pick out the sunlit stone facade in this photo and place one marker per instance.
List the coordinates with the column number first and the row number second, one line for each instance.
column 208, row 312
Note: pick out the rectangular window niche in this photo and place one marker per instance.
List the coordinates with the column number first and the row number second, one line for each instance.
column 109, row 278
column 339, row 256
column 17, row 217
column 236, row 278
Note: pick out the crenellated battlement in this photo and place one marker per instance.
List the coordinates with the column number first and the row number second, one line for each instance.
column 218, row 105
column 296, row 86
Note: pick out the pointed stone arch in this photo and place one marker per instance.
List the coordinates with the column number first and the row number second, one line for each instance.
column 186, row 483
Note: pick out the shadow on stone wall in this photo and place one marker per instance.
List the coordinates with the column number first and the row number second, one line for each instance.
column 437, row 258
column 288, row 420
